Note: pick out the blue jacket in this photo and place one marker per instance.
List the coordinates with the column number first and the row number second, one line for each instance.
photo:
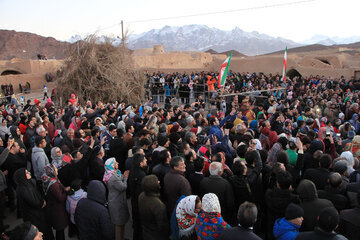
column 285, row 230
column 216, row 129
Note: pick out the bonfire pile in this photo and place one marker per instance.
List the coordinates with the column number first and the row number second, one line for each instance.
column 100, row 71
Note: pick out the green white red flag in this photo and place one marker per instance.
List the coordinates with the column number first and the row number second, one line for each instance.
column 285, row 66
column 224, row 71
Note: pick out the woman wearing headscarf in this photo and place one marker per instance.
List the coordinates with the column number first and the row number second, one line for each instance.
column 4, row 130
column 354, row 146
column 16, row 134
column 57, row 157
column 210, row 223
column 55, row 195
column 186, row 214
column 254, row 126
column 355, row 122
column 348, row 156
column 30, row 202
column 117, row 185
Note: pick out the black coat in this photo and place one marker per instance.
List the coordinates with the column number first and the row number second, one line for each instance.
column 319, row 176
column 195, row 179
column 223, row 190
column 92, row 217
column 30, row 203
column 350, row 223
column 96, row 169
column 77, row 169
column 318, row 234
column 118, row 150
column 175, row 185
column 152, row 211
column 334, row 195
column 238, row 233
column 311, row 204
column 249, row 187
column 277, row 201
column 12, row 163
column 160, row 170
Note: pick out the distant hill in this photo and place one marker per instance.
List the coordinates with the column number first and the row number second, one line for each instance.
column 309, row 48
column 235, row 53
column 27, row 45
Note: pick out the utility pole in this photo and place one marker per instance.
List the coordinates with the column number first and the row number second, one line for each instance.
column 122, row 33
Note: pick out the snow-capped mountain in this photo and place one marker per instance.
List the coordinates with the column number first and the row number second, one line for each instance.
column 202, row 38
column 328, row 41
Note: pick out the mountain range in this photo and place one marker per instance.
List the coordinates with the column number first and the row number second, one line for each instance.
column 184, row 38
column 203, row 38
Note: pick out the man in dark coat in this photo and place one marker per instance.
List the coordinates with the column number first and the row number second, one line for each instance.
column 91, row 215
column 175, row 184
column 243, row 182
column 118, row 149
column 154, row 221
column 350, row 222
column 246, row 217
column 137, row 173
column 196, row 177
column 311, row 204
column 96, row 165
column 327, row 223
column 332, row 192
column 309, row 160
column 15, row 160
column 278, row 199
column 223, row 190
column 319, row 176
column 161, row 169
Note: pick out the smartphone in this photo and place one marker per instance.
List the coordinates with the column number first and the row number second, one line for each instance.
column 338, row 136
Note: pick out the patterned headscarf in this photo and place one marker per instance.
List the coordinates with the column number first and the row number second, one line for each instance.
column 210, row 203
column 185, row 215
column 110, row 170
column 48, row 178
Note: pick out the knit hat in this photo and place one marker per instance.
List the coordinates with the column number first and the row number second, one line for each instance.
column 293, row 211
column 210, row 203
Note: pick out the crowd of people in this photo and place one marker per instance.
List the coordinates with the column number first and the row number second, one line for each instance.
column 267, row 165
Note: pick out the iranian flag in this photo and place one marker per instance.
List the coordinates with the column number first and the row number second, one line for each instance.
column 224, row 71
column 285, row 65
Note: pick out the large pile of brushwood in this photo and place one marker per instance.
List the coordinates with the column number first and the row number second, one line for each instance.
column 98, row 70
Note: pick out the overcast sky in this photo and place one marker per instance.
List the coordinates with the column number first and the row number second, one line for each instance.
column 297, row 22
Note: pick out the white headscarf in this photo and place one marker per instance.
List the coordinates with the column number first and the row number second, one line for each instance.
column 350, row 161
column 210, row 203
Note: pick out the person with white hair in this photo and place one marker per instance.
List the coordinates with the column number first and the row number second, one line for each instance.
column 222, row 188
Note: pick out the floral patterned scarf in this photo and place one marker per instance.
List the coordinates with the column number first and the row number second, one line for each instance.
column 185, row 215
